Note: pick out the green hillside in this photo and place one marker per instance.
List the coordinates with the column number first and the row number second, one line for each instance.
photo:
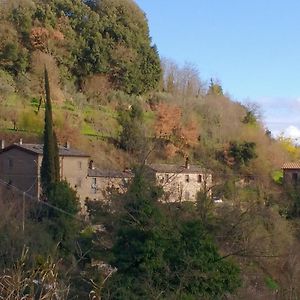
column 116, row 99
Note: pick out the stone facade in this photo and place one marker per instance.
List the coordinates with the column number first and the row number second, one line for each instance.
column 99, row 183
column 20, row 168
column 181, row 183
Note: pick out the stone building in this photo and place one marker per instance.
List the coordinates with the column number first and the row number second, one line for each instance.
column 291, row 173
column 20, row 165
column 100, row 182
column 181, row 183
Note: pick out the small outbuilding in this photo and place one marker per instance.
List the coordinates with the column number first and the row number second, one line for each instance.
column 291, row 173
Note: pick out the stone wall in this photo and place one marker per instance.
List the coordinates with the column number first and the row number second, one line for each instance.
column 99, row 188
column 183, row 186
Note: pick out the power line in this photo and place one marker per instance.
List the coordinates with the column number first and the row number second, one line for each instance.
column 6, row 184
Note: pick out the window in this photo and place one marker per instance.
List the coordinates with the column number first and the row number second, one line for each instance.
column 295, row 177
column 186, row 195
column 187, row 178
column 161, row 179
column 94, row 185
column 199, row 178
column 80, row 165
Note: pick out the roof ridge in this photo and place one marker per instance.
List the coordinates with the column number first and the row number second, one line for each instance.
column 38, row 149
column 291, row 165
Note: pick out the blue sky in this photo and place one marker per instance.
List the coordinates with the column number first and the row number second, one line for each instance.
column 252, row 47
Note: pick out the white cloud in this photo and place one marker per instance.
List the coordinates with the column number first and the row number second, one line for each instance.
column 278, row 115
column 292, row 132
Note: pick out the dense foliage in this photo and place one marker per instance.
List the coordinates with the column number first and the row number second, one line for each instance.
column 84, row 39
column 133, row 135
column 60, row 214
column 156, row 255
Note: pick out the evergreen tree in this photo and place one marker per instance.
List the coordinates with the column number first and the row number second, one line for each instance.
column 138, row 249
column 215, row 88
column 133, row 135
column 50, row 162
column 158, row 256
column 242, row 153
column 62, row 223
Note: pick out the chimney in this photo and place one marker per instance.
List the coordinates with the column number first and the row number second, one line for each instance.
column 67, row 145
column 187, row 163
column 21, row 142
column 91, row 165
column 2, row 144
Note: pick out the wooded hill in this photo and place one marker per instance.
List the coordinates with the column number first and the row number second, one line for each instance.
column 116, row 99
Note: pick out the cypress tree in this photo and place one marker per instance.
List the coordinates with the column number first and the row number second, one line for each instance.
column 50, row 162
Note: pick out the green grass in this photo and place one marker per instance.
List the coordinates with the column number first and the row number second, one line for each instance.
column 88, row 130
column 30, row 123
column 271, row 284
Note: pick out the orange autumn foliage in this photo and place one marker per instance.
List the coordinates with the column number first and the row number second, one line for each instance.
column 170, row 150
column 40, row 36
column 169, row 123
column 190, row 133
column 168, row 119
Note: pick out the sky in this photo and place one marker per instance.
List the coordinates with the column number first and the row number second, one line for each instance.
column 252, row 47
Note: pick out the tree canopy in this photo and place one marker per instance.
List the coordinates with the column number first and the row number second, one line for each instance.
column 157, row 256
column 84, row 37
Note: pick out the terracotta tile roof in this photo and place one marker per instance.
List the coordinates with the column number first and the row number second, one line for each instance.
column 291, row 165
column 38, row 149
column 168, row 168
column 109, row 173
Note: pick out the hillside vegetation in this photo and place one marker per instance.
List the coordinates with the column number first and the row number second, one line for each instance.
column 116, row 99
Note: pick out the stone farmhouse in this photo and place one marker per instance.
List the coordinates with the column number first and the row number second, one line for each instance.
column 102, row 181
column 291, row 173
column 20, row 165
column 181, row 183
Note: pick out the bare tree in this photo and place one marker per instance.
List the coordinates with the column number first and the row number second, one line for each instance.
column 182, row 81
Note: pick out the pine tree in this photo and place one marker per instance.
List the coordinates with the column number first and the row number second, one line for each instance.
column 50, row 163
